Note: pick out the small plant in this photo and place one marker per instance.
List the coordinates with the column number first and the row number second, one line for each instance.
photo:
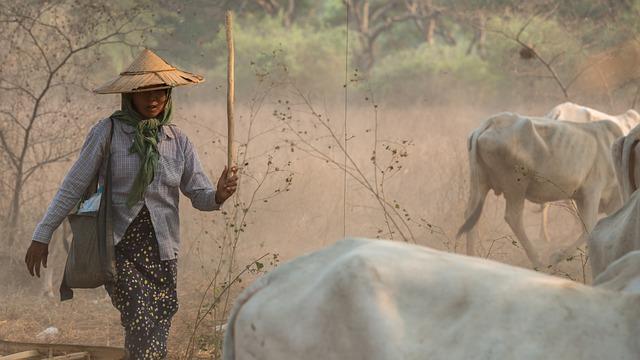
column 264, row 174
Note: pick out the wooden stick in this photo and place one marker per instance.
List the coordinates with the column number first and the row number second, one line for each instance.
column 96, row 352
column 29, row 354
column 74, row 356
column 230, row 93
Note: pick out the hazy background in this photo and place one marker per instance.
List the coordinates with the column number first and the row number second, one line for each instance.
column 420, row 75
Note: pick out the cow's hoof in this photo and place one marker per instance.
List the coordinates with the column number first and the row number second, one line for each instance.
column 557, row 257
column 537, row 265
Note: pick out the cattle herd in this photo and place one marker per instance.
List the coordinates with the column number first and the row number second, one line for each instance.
column 376, row 299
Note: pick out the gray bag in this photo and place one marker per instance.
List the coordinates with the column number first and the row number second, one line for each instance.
column 91, row 260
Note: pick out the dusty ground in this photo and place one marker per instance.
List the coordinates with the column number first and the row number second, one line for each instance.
column 90, row 319
column 431, row 188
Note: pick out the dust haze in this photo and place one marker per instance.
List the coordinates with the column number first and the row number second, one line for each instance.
column 430, row 189
column 403, row 175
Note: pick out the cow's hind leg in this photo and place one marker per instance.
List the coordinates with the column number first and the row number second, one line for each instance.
column 513, row 215
column 587, row 208
column 544, row 222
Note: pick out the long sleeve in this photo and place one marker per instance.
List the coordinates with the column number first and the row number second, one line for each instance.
column 194, row 183
column 83, row 171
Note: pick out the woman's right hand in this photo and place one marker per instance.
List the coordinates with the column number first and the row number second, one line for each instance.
column 36, row 255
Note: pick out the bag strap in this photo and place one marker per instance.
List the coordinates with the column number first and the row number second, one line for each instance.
column 105, row 223
column 108, row 152
column 93, row 186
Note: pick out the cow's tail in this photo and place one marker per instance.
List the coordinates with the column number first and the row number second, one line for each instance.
column 229, row 342
column 477, row 192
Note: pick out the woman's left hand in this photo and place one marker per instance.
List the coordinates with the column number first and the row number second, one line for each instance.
column 227, row 184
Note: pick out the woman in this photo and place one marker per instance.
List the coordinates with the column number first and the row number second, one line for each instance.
column 151, row 160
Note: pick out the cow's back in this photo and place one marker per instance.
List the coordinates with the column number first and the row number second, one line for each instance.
column 366, row 299
column 548, row 160
column 569, row 111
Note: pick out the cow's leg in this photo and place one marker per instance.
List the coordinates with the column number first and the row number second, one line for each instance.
column 544, row 222
column 587, row 206
column 66, row 235
column 47, row 276
column 48, row 283
column 513, row 216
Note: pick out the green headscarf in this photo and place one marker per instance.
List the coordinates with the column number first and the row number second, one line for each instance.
column 145, row 142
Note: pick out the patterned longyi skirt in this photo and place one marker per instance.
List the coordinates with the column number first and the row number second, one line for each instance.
column 145, row 291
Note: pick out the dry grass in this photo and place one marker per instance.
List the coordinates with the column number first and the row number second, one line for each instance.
column 90, row 319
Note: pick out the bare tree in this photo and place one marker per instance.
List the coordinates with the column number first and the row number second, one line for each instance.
column 428, row 18
column 372, row 19
column 528, row 51
column 265, row 173
column 48, row 48
column 479, row 23
column 274, row 7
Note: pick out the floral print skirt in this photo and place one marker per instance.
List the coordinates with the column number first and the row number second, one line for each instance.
column 145, row 290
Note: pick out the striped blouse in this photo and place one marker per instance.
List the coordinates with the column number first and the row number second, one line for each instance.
column 178, row 169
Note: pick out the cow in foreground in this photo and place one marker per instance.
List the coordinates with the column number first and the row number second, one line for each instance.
column 542, row 161
column 383, row 300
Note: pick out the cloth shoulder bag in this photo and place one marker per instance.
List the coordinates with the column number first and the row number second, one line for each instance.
column 91, row 260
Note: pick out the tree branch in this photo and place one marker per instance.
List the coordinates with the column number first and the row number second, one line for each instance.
column 30, row 171
column 535, row 53
column 37, row 45
column 12, row 156
column 17, row 87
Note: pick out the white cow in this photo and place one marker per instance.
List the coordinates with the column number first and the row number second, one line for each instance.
column 541, row 161
column 619, row 233
column 383, row 300
column 569, row 111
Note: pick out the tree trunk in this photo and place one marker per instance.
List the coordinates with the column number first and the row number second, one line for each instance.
column 430, row 30
column 14, row 211
column 287, row 16
column 366, row 57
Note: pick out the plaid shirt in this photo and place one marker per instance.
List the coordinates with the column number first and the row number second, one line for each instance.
column 178, row 168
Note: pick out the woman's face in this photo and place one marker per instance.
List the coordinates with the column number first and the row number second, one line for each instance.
column 150, row 104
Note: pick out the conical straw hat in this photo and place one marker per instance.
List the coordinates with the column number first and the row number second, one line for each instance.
column 148, row 72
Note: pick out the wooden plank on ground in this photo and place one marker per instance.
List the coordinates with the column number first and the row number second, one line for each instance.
column 29, row 354
column 95, row 352
column 74, row 356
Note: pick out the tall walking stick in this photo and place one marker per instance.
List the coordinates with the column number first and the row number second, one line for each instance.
column 230, row 93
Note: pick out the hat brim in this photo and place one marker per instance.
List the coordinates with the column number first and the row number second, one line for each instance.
column 139, row 82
